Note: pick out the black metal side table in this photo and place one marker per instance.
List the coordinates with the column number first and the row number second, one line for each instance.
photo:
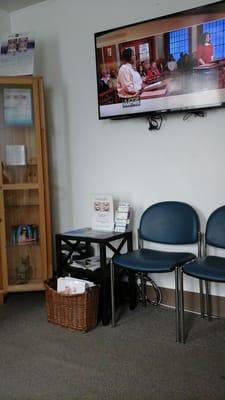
column 105, row 240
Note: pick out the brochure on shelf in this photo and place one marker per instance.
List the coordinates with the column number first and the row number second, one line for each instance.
column 15, row 154
column 122, row 217
column 102, row 212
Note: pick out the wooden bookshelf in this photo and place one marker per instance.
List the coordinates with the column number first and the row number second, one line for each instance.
column 25, row 223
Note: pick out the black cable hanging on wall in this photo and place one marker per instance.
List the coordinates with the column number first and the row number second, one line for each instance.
column 189, row 114
column 154, row 122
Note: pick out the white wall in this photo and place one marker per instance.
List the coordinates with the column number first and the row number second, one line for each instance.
column 5, row 26
column 184, row 161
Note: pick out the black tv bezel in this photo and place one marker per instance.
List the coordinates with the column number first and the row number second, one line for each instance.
column 152, row 112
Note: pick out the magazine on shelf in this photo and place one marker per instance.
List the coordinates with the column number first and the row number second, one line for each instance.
column 90, row 263
column 102, row 212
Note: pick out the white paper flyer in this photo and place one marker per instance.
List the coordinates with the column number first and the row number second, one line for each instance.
column 17, row 55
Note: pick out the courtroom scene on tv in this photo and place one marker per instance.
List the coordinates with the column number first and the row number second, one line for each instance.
column 179, row 55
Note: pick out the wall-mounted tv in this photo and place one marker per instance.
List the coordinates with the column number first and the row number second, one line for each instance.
column 174, row 62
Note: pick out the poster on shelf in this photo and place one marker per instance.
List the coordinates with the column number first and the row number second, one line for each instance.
column 17, row 55
column 17, row 106
column 102, row 212
column 24, row 234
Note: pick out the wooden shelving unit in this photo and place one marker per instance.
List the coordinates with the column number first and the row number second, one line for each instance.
column 25, row 228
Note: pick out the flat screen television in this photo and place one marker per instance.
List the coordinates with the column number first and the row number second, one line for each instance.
column 171, row 63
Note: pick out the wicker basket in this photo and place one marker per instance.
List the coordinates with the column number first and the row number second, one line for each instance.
column 77, row 311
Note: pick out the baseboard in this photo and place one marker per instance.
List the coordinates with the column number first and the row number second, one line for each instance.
column 191, row 301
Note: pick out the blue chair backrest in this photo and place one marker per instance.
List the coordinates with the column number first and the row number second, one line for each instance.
column 215, row 228
column 170, row 222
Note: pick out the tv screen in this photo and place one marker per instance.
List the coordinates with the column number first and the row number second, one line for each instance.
column 175, row 62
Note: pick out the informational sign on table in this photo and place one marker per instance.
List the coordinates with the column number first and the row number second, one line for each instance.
column 102, row 212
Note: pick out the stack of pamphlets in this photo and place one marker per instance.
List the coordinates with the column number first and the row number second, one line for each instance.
column 91, row 263
column 122, row 218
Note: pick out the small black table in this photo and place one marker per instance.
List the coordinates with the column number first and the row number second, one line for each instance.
column 86, row 235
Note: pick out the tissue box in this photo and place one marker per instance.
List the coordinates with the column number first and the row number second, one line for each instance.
column 75, row 311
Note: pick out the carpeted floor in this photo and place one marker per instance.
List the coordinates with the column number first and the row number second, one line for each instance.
column 137, row 360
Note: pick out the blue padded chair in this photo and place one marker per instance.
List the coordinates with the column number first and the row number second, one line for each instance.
column 168, row 222
column 208, row 268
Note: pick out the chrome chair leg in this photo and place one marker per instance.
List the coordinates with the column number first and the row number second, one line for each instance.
column 143, row 289
column 181, row 307
column 202, row 302
column 177, row 304
column 112, row 292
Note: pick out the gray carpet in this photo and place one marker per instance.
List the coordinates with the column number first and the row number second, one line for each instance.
column 137, row 360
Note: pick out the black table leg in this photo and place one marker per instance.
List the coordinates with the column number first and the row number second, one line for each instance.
column 104, row 299
column 132, row 290
column 131, row 278
column 58, row 255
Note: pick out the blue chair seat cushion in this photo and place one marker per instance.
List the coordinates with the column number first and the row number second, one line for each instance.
column 210, row 268
column 146, row 260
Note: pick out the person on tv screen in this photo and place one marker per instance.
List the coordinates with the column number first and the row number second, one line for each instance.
column 171, row 63
column 129, row 82
column 153, row 72
column 141, row 71
column 186, row 62
column 112, row 82
column 144, row 67
column 205, row 50
column 103, row 81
